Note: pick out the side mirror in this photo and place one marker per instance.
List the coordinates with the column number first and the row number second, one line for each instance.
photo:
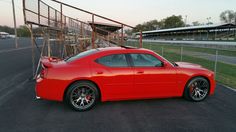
column 164, row 64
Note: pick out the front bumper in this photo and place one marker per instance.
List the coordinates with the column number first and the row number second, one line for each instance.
column 212, row 86
column 38, row 98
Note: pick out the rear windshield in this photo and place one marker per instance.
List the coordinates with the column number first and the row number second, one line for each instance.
column 82, row 54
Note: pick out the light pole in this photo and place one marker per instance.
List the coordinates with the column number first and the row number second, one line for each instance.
column 14, row 17
column 186, row 20
column 235, row 25
column 235, row 17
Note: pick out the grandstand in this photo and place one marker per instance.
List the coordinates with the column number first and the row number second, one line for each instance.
column 218, row 32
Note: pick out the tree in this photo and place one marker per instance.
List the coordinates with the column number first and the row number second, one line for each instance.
column 210, row 23
column 7, row 29
column 161, row 24
column 151, row 25
column 23, row 31
column 228, row 16
column 174, row 21
column 169, row 22
column 128, row 32
column 196, row 23
column 137, row 28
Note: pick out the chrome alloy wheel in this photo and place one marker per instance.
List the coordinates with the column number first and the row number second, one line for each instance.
column 199, row 89
column 82, row 97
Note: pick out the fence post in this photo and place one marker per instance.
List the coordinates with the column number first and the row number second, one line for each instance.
column 33, row 50
column 181, row 53
column 122, row 35
column 14, row 18
column 216, row 59
column 162, row 51
column 235, row 30
column 141, row 39
column 93, row 32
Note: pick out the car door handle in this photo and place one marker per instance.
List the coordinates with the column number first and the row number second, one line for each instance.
column 99, row 72
column 140, row 72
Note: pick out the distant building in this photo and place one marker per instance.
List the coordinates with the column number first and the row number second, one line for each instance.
column 203, row 32
column 4, row 35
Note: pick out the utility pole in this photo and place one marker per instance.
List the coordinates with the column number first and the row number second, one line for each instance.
column 14, row 17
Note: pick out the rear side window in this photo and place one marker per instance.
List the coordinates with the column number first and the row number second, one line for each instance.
column 116, row 60
column 145, row 60
column 82, row 54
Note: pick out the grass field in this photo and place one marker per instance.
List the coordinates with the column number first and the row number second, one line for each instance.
column 226, row 73
column 189, row 48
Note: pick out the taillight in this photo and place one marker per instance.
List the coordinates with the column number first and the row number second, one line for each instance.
column 43, row 73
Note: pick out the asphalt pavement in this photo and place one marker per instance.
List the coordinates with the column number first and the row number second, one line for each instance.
column 20, row 111
column 6, row 44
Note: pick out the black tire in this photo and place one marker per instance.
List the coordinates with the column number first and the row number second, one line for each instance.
column 197, row 89
column 82, row 96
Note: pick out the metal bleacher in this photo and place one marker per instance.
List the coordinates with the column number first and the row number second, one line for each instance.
column 67, row 30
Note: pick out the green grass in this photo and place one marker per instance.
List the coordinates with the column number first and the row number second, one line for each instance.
column 226, row 73
column 188, row 48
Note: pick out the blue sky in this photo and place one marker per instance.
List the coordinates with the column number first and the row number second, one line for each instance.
column 134, row 12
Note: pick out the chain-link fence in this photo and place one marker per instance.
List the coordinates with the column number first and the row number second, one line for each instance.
column 221, row 61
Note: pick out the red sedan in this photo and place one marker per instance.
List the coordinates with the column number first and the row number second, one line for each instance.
column 120, row 73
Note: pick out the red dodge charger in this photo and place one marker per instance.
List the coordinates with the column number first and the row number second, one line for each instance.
column 120, row 73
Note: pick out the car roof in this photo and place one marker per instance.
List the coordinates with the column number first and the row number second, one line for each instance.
column 99, row 52
column 122, row 49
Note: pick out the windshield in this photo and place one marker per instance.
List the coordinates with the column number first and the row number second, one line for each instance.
column 173, row 63
column 80, row 55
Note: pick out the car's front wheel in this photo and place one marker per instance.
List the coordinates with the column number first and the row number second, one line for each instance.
column 82, row 96
column 197, row 89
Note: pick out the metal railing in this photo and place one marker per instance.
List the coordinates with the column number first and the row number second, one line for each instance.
column 70, row 29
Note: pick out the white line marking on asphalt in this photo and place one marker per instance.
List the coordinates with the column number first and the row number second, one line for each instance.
column 10, row 50
column 233, row 89
column 5, row 81
column 4, row 98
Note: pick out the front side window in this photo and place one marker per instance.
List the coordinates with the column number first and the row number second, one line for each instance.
column 145, row 60
column 116, row 60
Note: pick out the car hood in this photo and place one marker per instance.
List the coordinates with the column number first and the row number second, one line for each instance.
column 188, row 65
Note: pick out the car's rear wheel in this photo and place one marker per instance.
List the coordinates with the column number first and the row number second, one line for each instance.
column 197, row 89
column 82, row 96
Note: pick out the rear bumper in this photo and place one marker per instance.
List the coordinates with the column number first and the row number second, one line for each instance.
column 38, row 98
column 49, row 89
